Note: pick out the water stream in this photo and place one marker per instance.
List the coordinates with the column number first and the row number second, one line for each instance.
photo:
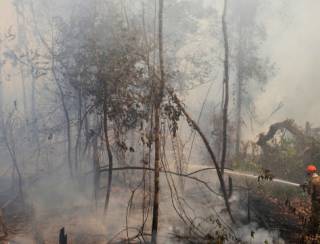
column 231, row 172
column 242, row 174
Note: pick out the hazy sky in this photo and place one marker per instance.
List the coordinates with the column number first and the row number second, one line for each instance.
column 293, row 43
column 6, row 14
column 293, row 40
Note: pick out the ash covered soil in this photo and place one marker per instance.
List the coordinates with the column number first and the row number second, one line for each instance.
column 40, row 222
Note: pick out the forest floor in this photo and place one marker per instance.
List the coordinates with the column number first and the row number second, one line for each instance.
column 290, row 218
column 85, row 225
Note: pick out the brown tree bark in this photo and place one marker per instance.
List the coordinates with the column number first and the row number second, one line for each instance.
column 158, row 101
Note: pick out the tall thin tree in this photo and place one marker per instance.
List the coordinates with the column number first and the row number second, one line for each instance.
column 158, row 101
column 225, row 88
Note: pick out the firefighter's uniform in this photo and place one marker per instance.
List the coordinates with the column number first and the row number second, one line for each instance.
column 314, row 191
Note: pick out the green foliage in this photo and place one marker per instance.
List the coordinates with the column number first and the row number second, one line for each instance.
column 285, row 160
column 248, row 159
column 108, row 69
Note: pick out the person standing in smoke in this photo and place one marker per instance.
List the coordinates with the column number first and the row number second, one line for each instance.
column 313, row 189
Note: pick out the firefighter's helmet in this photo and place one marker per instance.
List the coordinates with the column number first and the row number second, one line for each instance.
column 311, row 169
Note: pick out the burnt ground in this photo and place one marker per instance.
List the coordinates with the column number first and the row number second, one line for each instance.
column 274, row 215
column 290, row 218
column 269, row 213
column 16, row 217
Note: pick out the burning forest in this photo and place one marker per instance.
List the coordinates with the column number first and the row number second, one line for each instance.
column 181, row 121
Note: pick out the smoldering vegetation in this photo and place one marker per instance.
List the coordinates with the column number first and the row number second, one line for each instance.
column 153, row 122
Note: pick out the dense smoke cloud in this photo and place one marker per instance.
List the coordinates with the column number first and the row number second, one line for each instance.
column 293, row 42
column 193, row 54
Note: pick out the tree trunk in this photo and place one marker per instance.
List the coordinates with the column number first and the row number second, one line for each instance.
column 239, row 114
column 110, row 157
column 78, row 140
column 239, row 95
column 96, row 168
column 157, row 131
column 1, row 91
column 66, row 114
column 226, row 88
column 21, row 39
column 34, row 119
column 20, row 184
column 11, row 149
column 155, row 214
column 248, row 207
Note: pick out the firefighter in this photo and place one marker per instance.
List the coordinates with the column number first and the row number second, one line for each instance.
column 313, row 189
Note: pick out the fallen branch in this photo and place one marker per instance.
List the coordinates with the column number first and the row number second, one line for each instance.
column 286, row 124
column 205, row 169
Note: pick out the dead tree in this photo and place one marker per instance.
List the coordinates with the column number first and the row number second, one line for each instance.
column 287, row 124
column 267, row 149
column 307, row 147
